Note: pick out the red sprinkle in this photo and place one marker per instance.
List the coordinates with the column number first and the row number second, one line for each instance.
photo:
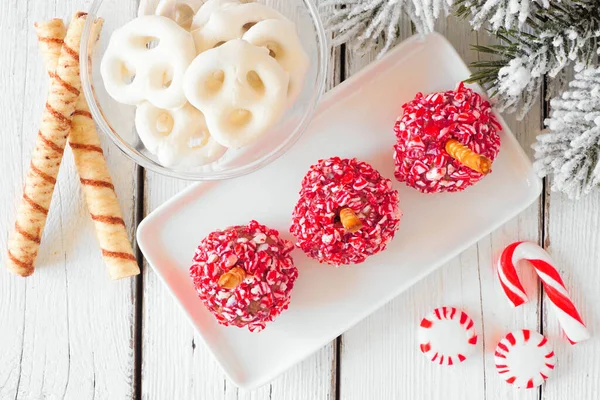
column 270, row 275
column 331, row 185
column 428, row 123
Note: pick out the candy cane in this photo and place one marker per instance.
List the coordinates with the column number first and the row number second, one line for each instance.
column 554, row 286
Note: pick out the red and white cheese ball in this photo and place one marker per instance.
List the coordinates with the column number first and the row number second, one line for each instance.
column 426, row 126
column 244, row 275
column 336, row 185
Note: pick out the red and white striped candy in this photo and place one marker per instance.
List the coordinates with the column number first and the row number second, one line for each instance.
column 569, row 318
column 524, row 358
column 447, row 336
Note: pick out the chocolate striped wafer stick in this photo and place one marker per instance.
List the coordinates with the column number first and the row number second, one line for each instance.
column 47, row 155
column 97, row 184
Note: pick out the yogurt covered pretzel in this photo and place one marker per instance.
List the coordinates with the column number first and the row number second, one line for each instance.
column 179, row 11
column 179, row 138
column 241, row 90
column 146, row 60
column 203, row 14
column 281, row 38
column 189, row 14
column 230, row 22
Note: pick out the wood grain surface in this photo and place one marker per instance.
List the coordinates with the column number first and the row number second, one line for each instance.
column 68, row 332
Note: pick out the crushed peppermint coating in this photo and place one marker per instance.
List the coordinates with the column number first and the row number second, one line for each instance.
column 334, row 185
column 428, row 123
column 261, row 270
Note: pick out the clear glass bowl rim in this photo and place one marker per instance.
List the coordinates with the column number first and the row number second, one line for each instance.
column 125, row 147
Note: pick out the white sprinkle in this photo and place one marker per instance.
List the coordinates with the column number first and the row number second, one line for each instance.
column 231, row 260
column 260, row 238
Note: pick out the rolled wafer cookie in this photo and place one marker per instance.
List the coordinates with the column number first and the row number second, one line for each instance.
column 97, row 184
column 65, row 87
column 51, row 35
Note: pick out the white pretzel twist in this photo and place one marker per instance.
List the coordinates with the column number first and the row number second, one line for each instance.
column 181, row 12
column 184, row 12
column 203, row 14
column 166, row 8
column 179, row 138
column 146, row 60
column 281, row 38
column 241, row 90
column 228, row 23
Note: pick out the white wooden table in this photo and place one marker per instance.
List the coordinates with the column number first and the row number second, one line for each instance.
column 68, row 332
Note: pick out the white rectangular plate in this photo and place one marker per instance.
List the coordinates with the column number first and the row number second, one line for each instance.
column 354, row 120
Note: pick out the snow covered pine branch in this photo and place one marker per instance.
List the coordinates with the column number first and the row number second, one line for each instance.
column 537, row 39
column 499, row 13
column 570, row 150
column 373, row 22
column 562, row 35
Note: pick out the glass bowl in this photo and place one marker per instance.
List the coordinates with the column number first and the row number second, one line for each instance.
column 116, row 120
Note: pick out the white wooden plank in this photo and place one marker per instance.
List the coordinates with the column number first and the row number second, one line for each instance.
column 175, row 362
column 12, row 289
column 573, row 240
column 499, row 317
column 67, row 331
column 380, row 357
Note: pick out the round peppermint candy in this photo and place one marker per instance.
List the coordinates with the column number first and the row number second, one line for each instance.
column 447, row 336
column 524, row 359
